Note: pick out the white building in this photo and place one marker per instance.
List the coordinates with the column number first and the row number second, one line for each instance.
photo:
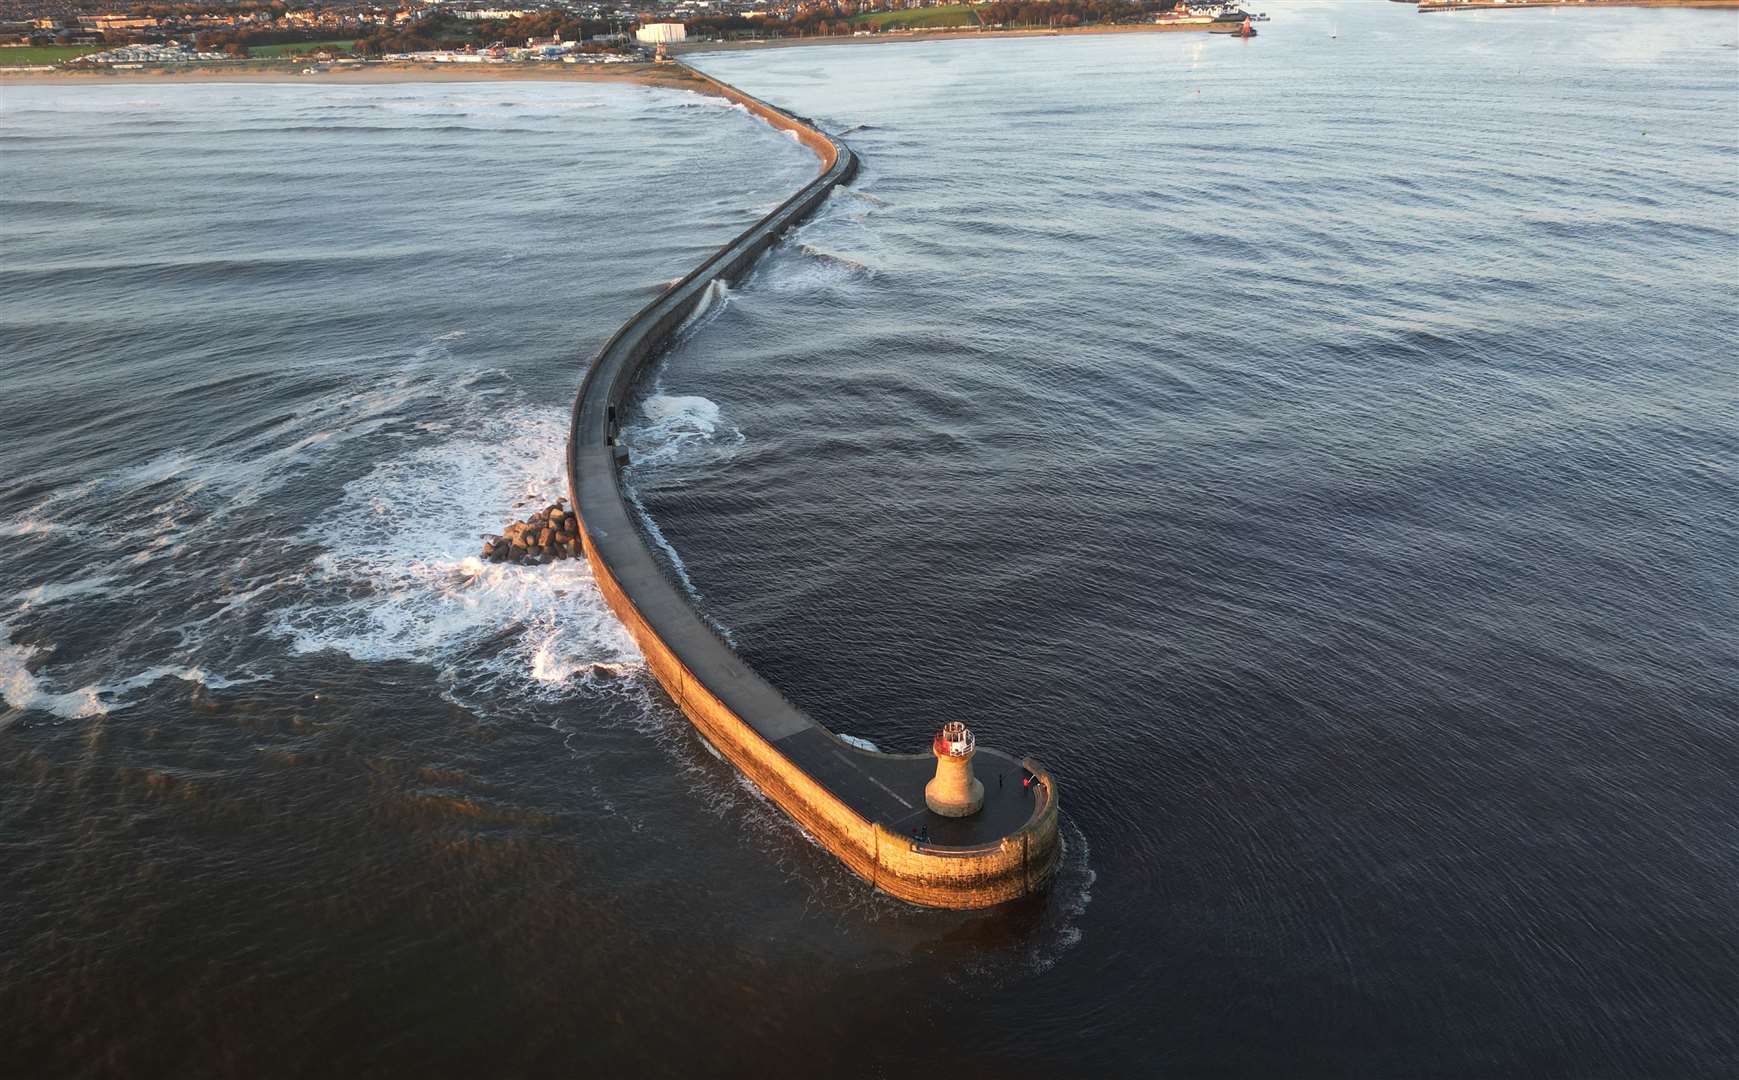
column 664, row 33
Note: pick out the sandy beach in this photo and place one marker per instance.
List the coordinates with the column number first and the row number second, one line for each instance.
column 668, row 75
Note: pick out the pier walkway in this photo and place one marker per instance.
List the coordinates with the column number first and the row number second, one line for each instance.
column 861, row 805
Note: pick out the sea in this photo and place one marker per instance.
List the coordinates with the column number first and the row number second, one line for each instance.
column 1320, row 450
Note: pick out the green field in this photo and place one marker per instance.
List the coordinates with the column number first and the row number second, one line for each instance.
column 31, row 55
column 920, row 18
column 268, row 52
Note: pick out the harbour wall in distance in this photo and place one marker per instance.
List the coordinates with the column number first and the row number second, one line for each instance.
column 856, row 803
column 1426, row 6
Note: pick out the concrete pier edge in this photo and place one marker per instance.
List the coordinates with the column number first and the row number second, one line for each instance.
column 848, row 799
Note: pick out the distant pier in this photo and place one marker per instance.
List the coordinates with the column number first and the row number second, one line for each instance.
column 867, row 808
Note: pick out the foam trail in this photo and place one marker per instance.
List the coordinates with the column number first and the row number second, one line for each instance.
column 51, row 592
column 1071, row 891
column 21, row 689
column 675, row 430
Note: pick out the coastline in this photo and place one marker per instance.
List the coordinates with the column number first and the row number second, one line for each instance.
column 687, row 48
column 1505, row 5
column 674, row 76
column 649, row 74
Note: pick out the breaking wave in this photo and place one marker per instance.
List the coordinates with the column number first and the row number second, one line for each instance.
column 674, row 429
column 400, row 577
column 712, row 304
column 23, row 688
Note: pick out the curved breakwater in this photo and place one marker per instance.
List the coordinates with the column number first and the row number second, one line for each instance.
column 861, row 805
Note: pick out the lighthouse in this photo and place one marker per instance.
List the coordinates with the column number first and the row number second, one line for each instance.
column 954, row 791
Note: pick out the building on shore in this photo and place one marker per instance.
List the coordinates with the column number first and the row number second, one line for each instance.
column 662, row 33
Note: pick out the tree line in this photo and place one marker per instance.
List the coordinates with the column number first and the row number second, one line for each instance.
column 443, row 31
column 1065, row 13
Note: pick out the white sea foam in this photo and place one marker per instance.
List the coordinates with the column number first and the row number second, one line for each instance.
column 240, row 474
column 22, row 688
column 193, row 631
column 861, row 744
column 656, row 535
column 400, row 577
column 186, row 490
column 834, row 249
column 704, row 100
column 670, row 429
column 193, row 674
column 53, row 592
column 676, row 429
column 808, row 268
column 1071, row 892
column 712, row 303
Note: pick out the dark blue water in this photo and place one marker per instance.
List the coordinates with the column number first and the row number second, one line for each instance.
column 1321, row 450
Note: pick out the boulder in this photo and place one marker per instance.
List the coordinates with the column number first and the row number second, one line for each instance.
column 546, row 535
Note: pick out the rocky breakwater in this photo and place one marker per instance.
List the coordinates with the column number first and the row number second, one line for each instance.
column 550, row 534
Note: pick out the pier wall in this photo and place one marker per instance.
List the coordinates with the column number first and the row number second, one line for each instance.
column 740, row 714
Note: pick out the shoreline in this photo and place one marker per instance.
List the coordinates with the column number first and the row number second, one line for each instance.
column 674, row 76
column 649, row 74
column 686, row 48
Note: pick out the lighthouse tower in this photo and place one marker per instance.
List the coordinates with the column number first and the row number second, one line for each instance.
column 954, row 791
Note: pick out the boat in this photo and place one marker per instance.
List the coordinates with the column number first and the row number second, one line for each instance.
column 1233, row 22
